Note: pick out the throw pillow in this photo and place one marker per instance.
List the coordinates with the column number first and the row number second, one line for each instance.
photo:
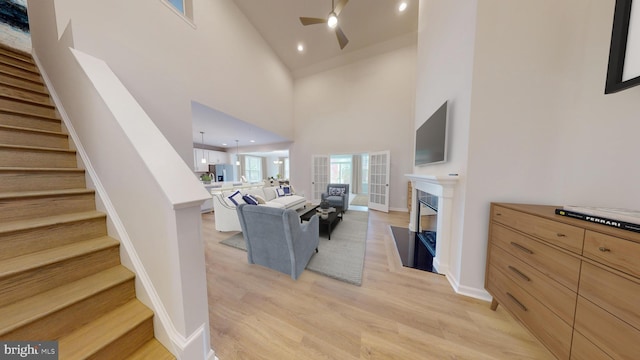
column 260, row 199
column 336, row 191
column 250, row 199
column 280, row 192
column 286, row 189
column 236, row 198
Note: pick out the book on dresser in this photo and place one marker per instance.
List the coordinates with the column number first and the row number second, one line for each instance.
column 626, row 215
column 618, row 218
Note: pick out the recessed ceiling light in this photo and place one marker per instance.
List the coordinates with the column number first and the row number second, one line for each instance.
column 402, row 6
column 252, row 141
column 224, row 144
column 300, row 47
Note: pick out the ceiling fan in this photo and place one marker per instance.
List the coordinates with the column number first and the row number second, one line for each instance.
column 331, row 21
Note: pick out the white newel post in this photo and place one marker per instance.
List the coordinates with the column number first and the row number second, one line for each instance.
column 443, row 187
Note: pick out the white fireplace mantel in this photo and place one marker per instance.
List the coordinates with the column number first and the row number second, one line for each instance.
column 442, row 186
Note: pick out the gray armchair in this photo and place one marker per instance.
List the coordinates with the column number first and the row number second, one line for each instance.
column 337, row 195
column 276, row 239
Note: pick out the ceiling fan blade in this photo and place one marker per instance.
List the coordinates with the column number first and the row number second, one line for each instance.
column 310, row 21
column 342, row 39
column 339, row 7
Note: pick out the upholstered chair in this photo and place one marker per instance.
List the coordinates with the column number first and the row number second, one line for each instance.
column 337, row 195
column 276, row 239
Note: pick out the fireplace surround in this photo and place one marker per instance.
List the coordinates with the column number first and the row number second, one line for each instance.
column 442, row 187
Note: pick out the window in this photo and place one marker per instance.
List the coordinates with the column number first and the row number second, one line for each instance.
column 365, row 174
column 286, row 168
column 253, row 168
column 184, row 8
column 340, row 169
column 178, row 4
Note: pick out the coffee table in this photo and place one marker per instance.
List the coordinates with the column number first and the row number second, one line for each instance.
column 330, row 222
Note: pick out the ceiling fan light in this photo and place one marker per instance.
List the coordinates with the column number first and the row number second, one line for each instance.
column 332, row 22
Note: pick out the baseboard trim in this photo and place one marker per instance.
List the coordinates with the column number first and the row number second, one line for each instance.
column 480, row 294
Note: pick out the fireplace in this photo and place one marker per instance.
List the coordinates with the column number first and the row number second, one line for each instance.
column 431, row 216
column 418, row 248
column 427, row 221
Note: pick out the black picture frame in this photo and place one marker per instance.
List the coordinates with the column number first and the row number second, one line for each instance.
column 618, row 49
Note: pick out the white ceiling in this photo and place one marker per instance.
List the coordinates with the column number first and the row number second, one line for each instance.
column 370, row 25
column 364, row 22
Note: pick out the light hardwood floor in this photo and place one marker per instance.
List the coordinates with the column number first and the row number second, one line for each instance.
column 397, row 313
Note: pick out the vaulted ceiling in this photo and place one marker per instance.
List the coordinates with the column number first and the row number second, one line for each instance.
column 372, row 26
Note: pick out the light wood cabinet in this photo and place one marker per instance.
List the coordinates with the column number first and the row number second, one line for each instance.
column 575, row 285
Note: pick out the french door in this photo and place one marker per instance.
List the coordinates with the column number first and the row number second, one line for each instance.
column 379, row 167
column 319, row 177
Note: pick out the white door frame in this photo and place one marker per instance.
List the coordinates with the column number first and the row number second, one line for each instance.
column 319, row 176
column 379, row 169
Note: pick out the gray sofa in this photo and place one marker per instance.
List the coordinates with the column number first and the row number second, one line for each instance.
column 276, row 239
column 337, row 195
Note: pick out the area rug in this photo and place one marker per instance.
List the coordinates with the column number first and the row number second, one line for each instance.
column 360, row 200
column 342, row 257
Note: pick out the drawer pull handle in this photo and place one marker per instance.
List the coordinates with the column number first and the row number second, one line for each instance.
column 513, row 298
column 519, row 273
column 561, row 235
column 522, row 248
column 604, row 249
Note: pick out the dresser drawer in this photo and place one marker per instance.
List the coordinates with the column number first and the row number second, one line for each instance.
column 558, row 298
column 614, row 336
column 553, row 263
column 618, row 253
column 583, row 349
column 615, row 294
column 554, row 333
column 565, row 236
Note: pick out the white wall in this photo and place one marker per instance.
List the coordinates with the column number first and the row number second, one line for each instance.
column 540, row 129
column 446, row 37
column 599, row 146
column 361, row 107
column 166, row 63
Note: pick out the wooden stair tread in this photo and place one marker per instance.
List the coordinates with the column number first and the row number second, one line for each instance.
column 29, row 114
column 30, row 130
column 16, row 265
column 27, row 194
column 16, row 53
column 27, row 69
column 36, row 84
column 93, row 336
column 27, row 101
column 22, row 312
column 40, row 170
column 153, row 349
column 19, row 63
column 38, row 148
column 20, row 225
column 42, row 91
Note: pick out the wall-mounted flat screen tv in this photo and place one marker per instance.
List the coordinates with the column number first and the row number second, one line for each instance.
column 431, row 139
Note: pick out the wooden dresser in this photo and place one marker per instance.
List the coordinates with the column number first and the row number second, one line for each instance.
column 574, row 284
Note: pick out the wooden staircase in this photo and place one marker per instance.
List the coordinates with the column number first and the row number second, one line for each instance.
column 60, row 274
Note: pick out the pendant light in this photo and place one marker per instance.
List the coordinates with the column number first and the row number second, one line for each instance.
column 204, row 161
column 237, row 156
